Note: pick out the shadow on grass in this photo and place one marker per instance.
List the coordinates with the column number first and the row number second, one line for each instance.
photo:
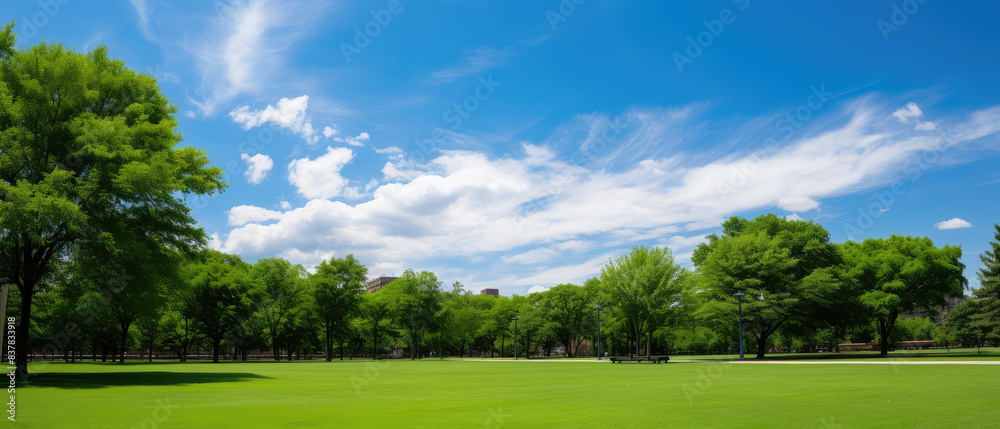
column 150, row 378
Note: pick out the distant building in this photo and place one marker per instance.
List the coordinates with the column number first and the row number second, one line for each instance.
column 375, row 285
column 939, row 315
column 494, row 292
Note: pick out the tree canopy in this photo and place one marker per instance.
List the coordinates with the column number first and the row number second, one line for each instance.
column 89, row 159
column 900, row 274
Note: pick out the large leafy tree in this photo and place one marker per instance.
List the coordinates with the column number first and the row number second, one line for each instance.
column 216, row 297
column 989, row 289
column 967, row 324
column 89, row 158
column 784, row 268
column 568, row 308
column 900, row 274
column 376, row 319
column 277, row 287
column 337, row 290
column 643, row 284
column 415, row 302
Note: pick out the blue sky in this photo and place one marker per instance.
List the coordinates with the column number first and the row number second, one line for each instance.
column 522, row 144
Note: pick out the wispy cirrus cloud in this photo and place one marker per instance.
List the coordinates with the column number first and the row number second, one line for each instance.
column 246, row 46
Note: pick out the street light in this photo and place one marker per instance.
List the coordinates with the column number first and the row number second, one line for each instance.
column 515, row 336
column 598, row 308
column 739, row 294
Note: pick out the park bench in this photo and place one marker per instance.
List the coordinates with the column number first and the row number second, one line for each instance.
column 654, row 359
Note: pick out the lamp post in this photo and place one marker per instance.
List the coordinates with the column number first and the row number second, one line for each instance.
column 739, row 295
column 598, row 308
column 515, row 336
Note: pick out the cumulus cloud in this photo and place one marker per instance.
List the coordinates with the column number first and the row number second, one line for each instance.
column 320, row 178
column 907, row 112
column 214, row 242
column 289, row 114
column 285, row 205
column 794, row 216
column 537, row 289
column 953, row 223
column 257, row 167
column 393, row 152
column 242, row 215
column 328, row 131
column 797, row 204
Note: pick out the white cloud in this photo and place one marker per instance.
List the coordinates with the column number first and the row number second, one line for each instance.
column 475, row 61
column 394, row 152
column 214, row 242
column 954, row 223
column 678, row 243
column 320, row 178
column 535, row 256
column 290, row 114
column 354, row 141
column 907, row 112
column 245, row 45
column 242, row 215
column 142, row 10
column 285, row 205
column 797, row 204
column 794, row 217
column 328, row 131
column 574, row 245
column 537, row 289
column 257, row 167
column 926, row 125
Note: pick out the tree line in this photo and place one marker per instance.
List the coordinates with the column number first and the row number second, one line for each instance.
column 800, row 293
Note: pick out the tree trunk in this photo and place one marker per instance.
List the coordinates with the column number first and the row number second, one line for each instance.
column 761, row 347
column 215, row 350
column 885, row 330
column 125, row 326
column 274, row 345
column 23, row 331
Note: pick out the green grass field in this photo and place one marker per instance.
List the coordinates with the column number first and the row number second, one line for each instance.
column 494, row 394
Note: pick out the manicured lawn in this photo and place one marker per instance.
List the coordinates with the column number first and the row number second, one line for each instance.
column 453, row 393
